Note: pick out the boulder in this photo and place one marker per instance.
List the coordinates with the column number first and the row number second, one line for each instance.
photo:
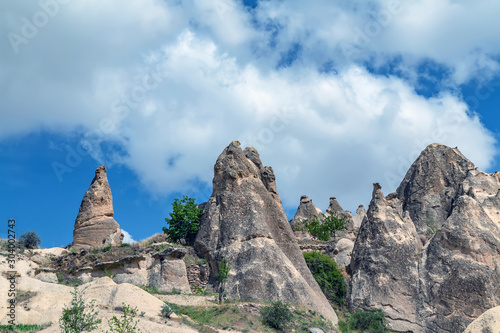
column 488, row 322
column 94, row 225
column 384, row 263
column 343, row 250
column 245, row 223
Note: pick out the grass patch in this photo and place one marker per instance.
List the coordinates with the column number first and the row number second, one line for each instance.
column 22, row 328
column 244, row 317
column 153, row 290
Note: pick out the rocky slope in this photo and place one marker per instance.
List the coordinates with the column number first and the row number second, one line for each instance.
column 245, row 223
column 94, row 225
column 429, row 255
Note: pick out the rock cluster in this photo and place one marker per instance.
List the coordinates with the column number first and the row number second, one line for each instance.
column 94, row 225
column 429, row 255
column 244, row 222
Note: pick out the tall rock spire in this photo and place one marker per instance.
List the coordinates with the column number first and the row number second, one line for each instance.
column 244, row 222
column 95, row 225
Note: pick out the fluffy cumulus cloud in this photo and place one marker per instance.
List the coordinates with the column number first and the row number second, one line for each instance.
column 127, row 238
column 169, row 84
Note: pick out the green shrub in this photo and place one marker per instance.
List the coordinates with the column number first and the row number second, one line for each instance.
column 372, row 321
column 125, row 245
column 329, row 277
column 277, row 315
column 183, row 221
column 126, row 323
column 166, row 310
column 79, row 317
column 29, row 240
column 222, row 277
column 326, row 228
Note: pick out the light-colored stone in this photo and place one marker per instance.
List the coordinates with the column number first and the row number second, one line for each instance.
column 488, row 322
column 343, row 250
column 244, row 222
column 94, row 225
column 359, row 216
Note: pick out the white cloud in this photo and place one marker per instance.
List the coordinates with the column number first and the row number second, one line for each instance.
column 194, row 81
column 127, row 238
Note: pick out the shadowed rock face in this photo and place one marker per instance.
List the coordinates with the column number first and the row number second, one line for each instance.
column 445, row 284
column 384, row 263
column 431, row 184
column 94, row 225
column 245, row 223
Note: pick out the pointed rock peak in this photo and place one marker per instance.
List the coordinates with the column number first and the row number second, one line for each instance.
column 94, row 224
column 305, row 210
column 432, row 183
column 245, row 223
column 334, row 206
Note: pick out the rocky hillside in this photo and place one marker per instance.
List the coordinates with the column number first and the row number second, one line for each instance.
column 429, row 254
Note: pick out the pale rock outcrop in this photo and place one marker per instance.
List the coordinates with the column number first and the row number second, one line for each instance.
column 488, row 322
column 304, row 212
column 343, row 251
column 164, row 270
column 94, row 225
column 384, row 263
column 245, row 223
column 359, row 216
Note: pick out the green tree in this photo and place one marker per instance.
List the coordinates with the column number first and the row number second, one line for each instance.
column 183, row 223
column 126, row 322
column 326, row 228
column 222, row 277
column 277, row 315
column 329, row 277
column 29, row 240
column 79, row 317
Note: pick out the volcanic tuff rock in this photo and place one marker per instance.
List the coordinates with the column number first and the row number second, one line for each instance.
column 335, row 207
column 305, row 210
column 384, row 264
column 359, row 216
column 488, row 322
column 245, row 223
column 94, row 225
column 444, row 285
column 431, row 184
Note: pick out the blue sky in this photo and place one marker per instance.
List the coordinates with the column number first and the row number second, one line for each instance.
column 335, row 96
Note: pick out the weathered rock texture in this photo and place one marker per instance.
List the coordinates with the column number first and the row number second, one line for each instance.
column 304, row 212
column 245, row 223
column 335, row 207
column 432, row 183
column 358, row 217
column 94, row 225
column 429, row 255
column 164, row 270
column 384, row 263
column 488, row 322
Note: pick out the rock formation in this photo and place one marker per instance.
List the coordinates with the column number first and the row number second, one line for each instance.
column 342, row 251
column 384, row 264
column 488, row 322
column 335, row 207
column 358, row 216
column 94, row 225
column 304, row 212
column 244, row 222
column 432, row 183
column 429, row 255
